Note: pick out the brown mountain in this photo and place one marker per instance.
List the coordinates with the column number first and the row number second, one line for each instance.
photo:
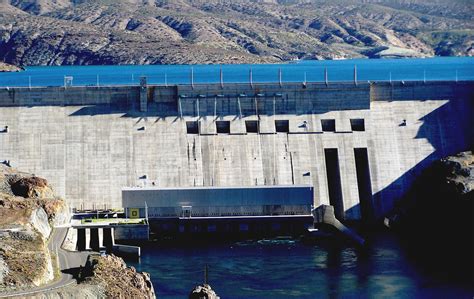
column 56, row 32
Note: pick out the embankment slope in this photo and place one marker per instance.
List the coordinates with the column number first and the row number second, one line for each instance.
column 29, row 209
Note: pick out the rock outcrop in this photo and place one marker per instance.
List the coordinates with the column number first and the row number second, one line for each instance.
column 118, row 280
column 28, row 210
column 459, row 172
column 31, row 187
column 447, row 183
column 39, row 220
column 435, row 218
column 26, row 258
column 28, row 206
column 203, row 291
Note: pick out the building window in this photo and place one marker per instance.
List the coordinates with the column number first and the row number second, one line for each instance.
column 328, row 125
column 251, row 126
column 282, row 126
column 223, row 127
column 358, row 124
column 192, row 127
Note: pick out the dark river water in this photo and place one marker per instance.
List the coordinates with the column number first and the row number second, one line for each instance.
column 294, row 269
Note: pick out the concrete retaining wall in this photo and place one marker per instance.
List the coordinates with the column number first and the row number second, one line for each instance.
column 126, row 250
column 131, row 232
column 90, row 142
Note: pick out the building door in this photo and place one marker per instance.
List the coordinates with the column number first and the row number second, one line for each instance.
column 186, row 211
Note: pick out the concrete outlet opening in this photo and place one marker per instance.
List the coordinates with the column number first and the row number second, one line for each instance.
column 251, row 126
column 358, row 125
column 328, row 125
column 192, row 127
column 223, row 127
column 282, row 126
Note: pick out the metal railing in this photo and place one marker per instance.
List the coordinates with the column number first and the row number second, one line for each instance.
column 181, row 75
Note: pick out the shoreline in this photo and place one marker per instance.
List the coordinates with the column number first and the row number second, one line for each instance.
column 281, row 62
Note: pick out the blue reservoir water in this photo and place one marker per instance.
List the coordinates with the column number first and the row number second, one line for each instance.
column 292, row 269
column 439, row 68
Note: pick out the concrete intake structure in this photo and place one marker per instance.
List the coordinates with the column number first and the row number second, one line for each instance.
column 360, row 146
column 97, row 237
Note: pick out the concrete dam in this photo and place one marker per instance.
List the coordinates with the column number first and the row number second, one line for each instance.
column 359, row 145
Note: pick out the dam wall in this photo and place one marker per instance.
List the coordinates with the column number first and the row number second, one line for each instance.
column 360, row 145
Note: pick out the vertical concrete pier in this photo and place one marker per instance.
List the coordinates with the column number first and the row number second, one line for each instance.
column 81, row 239
column 143, row 95
column 108, row 241
column 95, row 241
column 97, row 237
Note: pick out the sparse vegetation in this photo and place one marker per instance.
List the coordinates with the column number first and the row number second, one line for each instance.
column 187, row 31
column 450, row 43
column 22, row 246
column 118, row 280
column 26, row 260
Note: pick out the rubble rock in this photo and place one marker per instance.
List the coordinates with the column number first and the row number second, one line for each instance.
column 203, row 291
column 119, row 280
column 32, row 187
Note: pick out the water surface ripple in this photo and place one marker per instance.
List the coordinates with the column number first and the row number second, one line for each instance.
column 292, row 269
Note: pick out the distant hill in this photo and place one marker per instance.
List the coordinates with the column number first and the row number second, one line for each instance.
column 57, row 32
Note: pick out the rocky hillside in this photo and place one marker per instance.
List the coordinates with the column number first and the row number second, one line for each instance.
column 105, row 277
column 58, row 32
column 28, row 211
column 118, row 280
column 28, row 208
column 435, row 218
